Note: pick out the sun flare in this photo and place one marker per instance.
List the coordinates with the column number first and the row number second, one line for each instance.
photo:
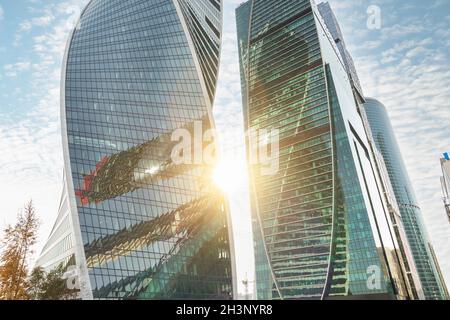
column 230, row 175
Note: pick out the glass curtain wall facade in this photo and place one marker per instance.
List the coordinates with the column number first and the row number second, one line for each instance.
column 59, row 248
column 411, row 215
column 335, row 30
column 445, row 182
column 320, row 224
column 143, row 226
column 403, row 251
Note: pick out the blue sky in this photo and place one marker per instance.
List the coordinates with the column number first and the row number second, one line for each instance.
column 405, row 64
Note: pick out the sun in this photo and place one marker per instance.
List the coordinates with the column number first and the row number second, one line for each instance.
column 230, row 175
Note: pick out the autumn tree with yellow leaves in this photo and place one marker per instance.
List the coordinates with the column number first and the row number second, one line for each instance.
column 16, row 248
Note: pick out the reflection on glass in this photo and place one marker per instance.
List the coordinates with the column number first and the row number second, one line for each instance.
column 150, row 228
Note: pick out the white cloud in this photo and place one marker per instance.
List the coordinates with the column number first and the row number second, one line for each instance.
column 25, row 26
column 402, row 30
column 12, row 70
column 31, row 162
column 2, row 13
column 43, row 20
column 439, row 3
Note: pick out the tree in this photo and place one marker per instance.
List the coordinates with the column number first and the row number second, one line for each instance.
column 17, row 244
column 36, row 283
column 49, row 286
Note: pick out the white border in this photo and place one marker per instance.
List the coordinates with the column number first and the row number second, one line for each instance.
column 80, row 257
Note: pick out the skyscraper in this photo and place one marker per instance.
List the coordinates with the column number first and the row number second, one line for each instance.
column 445, row 181
column 133, row 223
column 403, row 250
column 384, row 137
column 320, row 223
column 334, row 28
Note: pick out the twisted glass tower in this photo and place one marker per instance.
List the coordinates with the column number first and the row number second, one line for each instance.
column 411, row 215
column 134, row 224
column 403, row 250
column 320, row 223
